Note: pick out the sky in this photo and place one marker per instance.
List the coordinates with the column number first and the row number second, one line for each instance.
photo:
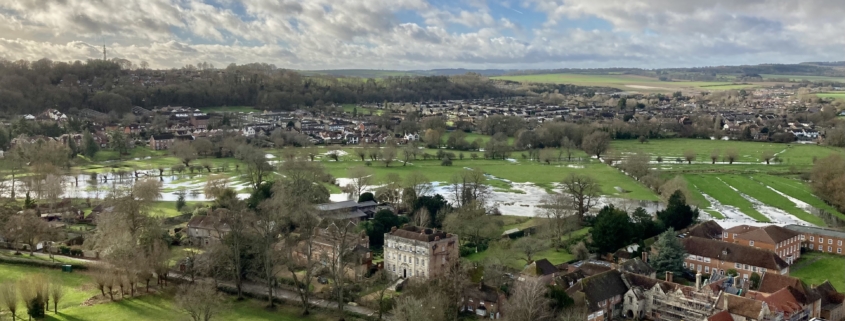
column 427, row 34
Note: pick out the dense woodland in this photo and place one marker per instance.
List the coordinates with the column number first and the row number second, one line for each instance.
column 115, row 86
column 805, row 69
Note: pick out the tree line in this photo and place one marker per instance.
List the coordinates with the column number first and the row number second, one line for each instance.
column 111, row 86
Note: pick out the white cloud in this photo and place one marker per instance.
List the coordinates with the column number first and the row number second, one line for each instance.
column 320, row 34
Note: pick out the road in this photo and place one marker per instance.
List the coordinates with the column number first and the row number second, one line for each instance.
column 288, row 295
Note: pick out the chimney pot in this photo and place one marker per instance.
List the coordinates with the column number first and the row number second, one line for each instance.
column 393, row 229
column 645, row 257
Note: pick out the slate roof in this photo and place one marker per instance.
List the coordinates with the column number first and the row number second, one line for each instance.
column 708, row 230
column 601, row 287
column 741, row 306
column 771, row 234
column 637, row 266
column 732, row 252
column 815, row 230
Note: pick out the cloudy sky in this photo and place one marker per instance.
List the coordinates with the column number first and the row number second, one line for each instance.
column 424, row 34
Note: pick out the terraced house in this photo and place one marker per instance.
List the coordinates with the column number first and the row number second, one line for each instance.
column 820, row 239
column 711, row 256
column 784, row 242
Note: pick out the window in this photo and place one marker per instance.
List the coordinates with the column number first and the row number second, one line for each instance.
column 685, row 265
column 811, row 246
column 811, row 238
column 699, row 268
column 734, row 236
column 737, row 265
column 753, row 269
column 803, row 237
column 725, row 235
column 821, row 240
column 751, row 243
column 707, row 269
column 829, row 241
column 839, row 242
column 829, row 249
column 746, row 267
column 839, row 250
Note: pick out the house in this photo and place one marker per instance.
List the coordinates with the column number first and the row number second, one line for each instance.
column 819, row 239
column 638, row 266
column 832, row 302
column 161, row 141
column 708, row 230
column 744, row 309
column 199, row 122
column 711, row 256
column 483, row 300
column 203, row 230
column 806, row 296
column 541, row 269
column 786, row 243
column 330, row 241
column 603, row 294
column 650, row 298
column 413, row 251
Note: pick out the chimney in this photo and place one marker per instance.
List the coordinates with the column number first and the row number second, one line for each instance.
column 437, row 238
column 698, row 281
column 645, row 256
column 671, row 277
column 725, row 297
column 393, row 229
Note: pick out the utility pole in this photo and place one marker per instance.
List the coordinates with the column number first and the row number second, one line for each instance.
column 104, row 50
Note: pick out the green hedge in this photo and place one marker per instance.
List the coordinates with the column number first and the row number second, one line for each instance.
column 37, row 263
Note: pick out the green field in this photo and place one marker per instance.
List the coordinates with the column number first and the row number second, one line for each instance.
column 624, row 82
column 801, row 78
column 833, row 94
column 815, row 268
column 79, row 287
column 349, row 108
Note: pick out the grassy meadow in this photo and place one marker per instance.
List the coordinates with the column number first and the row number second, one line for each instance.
column 80, row 288
column 230, row 109
column 815, row 267
column 624, row 82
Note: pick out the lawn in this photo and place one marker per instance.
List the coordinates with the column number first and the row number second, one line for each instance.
column 759, row 191
column 816, row 267
column 79, row 287
column 801, row 78
column 512, row 260
column 623, row 82
column 471, row 137
column 514, row 171
column 798, row 190
column 834, row 95
column 719, row 190
column 168, row 208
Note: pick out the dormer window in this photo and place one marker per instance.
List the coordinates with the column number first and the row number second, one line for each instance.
column 751, row 243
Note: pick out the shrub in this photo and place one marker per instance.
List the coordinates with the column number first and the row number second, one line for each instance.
column 446, row 162
column 64, row 250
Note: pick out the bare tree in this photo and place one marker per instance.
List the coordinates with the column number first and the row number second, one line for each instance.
column 9, row 297
column 407, row 153
column 528, row 302
column 714, row 155
column 341, row 237
column 689, row 156
column 568, row 147
column 184, row 151
column 584, row 191
column 558, row 209
column 527, row 247
column 27, row 228
column 359, row 178
column 768, row 155
column 596, row 143
column 301, row 254
column 233, row 226
column 200, row 301
column 637, row 165
column 419, row 183
column 422, row 217
column 215, row 185
column 429, row 306
column 361, row 152
column 731, row 155
column 468, row 185
column 388, row 155
column 256, row 164
column 381, row 282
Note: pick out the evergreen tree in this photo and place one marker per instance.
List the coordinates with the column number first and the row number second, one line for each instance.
column 678, row 214
column 670, row 254
column 120, row 143
column 612, row 230
column 28, row 202
column 4, row 140
column 89, row 145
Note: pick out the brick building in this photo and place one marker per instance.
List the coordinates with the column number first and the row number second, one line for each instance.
column 820, row 239
column 784, row 242
column 161, row 141
column 413, row 251
column 483, row 300
column 711, row 256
